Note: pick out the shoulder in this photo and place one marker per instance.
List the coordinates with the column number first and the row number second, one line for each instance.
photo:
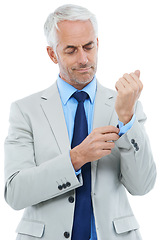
column 30, row 98
column 36, row 98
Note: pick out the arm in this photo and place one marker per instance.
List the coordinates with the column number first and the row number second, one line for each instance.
column 138, row 170
column 26, row 183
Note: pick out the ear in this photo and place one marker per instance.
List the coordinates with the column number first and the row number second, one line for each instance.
column 97, row 43
column 52, row 54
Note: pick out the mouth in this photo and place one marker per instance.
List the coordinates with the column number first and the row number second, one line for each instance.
column 83, row 70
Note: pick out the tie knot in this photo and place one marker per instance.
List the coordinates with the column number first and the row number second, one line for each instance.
column 80, row 96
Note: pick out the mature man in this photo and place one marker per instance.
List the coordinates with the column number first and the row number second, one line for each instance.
column 73, row 149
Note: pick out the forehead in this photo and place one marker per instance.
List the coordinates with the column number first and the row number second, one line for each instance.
column 75, row 33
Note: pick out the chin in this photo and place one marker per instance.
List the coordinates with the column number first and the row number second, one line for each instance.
column 83, row 82
column 83, row 79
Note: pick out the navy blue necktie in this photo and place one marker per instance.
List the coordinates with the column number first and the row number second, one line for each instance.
column 82, row 214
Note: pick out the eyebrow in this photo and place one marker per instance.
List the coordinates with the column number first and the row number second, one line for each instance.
column 72, row 46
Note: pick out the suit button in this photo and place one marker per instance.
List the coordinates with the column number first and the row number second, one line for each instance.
column 66, row 234
column 135, row 145
column 64, row 185
column 60, row 187
column 68, row 184
column 137, row 148
column 71, row 199
column 132, row 141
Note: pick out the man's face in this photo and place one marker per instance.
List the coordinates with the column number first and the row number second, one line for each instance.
column 77, row 52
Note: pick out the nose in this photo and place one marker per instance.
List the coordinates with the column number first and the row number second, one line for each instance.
column 82, row 56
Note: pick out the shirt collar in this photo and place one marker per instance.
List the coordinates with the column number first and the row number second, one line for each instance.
column 66, row 90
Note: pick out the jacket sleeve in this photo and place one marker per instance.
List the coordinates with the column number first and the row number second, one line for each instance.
column 138, row 170
column 27, row 184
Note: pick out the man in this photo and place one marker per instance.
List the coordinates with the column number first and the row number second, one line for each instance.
column 73, row 149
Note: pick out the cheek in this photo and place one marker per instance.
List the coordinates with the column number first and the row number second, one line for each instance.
column 67, row 62
column 93, row 56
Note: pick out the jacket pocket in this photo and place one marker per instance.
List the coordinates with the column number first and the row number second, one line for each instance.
column 31, row 228
column 125, row 224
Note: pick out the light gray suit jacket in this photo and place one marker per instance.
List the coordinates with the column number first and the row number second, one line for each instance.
column 39, row 175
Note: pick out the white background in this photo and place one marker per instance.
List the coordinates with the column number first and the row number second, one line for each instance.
column 129, row 40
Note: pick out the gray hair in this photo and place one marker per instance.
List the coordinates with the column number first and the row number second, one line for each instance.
column 66, row 12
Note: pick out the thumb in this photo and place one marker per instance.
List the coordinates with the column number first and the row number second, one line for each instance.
column 137, row 72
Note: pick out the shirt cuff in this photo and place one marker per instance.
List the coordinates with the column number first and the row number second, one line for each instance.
column 78, row 172
column 124, row 128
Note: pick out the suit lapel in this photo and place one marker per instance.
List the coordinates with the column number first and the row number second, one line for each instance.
column 104, row 107
column 52, row 108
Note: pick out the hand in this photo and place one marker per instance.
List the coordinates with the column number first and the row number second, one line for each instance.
column 129, row 88
column 96, row 145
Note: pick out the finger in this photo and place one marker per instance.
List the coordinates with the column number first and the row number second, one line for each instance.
column 107, row 129
column 137, row 72
column 131, row 80
column 135, row 77
column 119, row 86
column 111, row 129
column 125, row 82
column 107, row 145
column 110, row 137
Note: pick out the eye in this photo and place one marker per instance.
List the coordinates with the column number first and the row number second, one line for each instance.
column 89, row 46
column 70, row 50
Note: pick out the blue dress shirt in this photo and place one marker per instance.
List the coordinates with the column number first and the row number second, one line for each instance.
column 69, row 105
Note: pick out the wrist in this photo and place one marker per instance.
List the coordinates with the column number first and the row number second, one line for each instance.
column 125, row 118
column 76, row 159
